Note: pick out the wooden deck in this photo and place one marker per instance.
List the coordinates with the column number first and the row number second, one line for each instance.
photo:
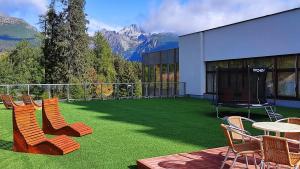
column 210, row 158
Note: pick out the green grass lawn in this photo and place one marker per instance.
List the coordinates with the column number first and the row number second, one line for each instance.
column 127, row 130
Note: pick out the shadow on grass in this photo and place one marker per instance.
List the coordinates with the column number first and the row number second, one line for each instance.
column 132, row 167
column 6, row 145
column 186, row 120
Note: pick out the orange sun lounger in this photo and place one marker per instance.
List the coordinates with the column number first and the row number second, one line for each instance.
column 28, row 137
column 27, row 99
column 9, row 102
column 54, row 123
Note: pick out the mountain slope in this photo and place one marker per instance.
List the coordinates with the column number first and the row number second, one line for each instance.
column 13, row 30
column 130, row 42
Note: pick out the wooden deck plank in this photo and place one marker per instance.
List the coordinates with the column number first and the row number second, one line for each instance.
column 210, row 158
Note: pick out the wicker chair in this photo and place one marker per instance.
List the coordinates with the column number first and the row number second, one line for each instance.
column 276, row 150
column 242, row 149
column 237, row 122
column 293, row 120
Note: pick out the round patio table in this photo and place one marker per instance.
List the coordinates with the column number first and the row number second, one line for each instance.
column 277, row 127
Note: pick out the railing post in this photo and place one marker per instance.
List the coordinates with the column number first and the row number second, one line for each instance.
column 132, row 90
column 49, row 91
column 68, row 92
column 28, row 90
column 7, row 89
column 84, row 91
column 101, row 94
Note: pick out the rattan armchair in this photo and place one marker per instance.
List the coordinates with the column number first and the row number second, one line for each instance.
column 292, row 120
column 276, row 150
column 243, row 149
column 237, row 122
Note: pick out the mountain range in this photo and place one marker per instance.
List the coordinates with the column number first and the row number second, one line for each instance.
column 13, row 30
column 129, row 42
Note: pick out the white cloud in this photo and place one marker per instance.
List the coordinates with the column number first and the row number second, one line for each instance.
column 96, row 25
column 196, row 15
column 39, row 6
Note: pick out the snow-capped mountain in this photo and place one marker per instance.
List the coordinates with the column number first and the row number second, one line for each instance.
column 130, row 42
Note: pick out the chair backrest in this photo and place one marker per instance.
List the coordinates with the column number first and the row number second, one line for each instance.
column 51, row 110
column 228, row 136
column 25, row 122
column 7, row 101
column 27, row 100
column 237, row 122
column 275, row 149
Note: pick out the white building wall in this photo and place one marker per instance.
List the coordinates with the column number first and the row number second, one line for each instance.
column 191, row 64
column 273, row 35
column 268, row 36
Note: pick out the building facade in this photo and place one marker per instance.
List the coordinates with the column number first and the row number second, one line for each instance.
column 270, row 41
column 161, row 73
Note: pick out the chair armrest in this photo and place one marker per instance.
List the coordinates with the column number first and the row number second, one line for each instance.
column 247, row 119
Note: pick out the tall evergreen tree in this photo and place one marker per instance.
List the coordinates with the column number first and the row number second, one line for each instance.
column 55, row 44
column 78, row 39
column 103, row 59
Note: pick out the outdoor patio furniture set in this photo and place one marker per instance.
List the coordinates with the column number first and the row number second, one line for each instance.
column 270, row 150
column 30, row 138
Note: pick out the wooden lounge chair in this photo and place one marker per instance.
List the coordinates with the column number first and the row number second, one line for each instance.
column 27, row 99
column 9, row 102
column 28, row 137
column 276, row 150
column 54, row 123
column 251, row 147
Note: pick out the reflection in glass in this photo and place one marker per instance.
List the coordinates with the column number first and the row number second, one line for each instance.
column 164, row 72
column 286, row 62
column 146, row 73
column 211, row 82
column 286, row 83
column 269, row 85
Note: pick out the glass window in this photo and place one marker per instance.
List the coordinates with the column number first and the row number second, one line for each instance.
column 222, row 64
column 286, row 62
column 236, row 64
column 177, row 73
column 152, row 73
column 164, row 72
column 210, row 83
column 299, row 84
column 146, row 73
column 211, row 66
column 286, row 84
column 269, row 85
column 157, row 73
column 171, row 72
column 261, row 62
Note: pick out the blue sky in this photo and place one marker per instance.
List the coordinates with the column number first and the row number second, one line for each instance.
column 179, row 16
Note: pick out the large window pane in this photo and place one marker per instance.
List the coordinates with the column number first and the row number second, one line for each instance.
column 286, row 62
column 210, row 83
column 164, row 79
column 146, row 73
column 157, row 79
column 211, row 66
column 261, row 62
column 236, row 64
column 286, row 84
column 270, row 85
column 299, row 84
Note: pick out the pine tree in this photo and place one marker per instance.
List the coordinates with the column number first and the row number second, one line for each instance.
column 78, row 39
column 103, row 59
column 55, row 44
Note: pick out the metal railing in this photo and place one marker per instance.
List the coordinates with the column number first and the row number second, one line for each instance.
column 91, row 91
